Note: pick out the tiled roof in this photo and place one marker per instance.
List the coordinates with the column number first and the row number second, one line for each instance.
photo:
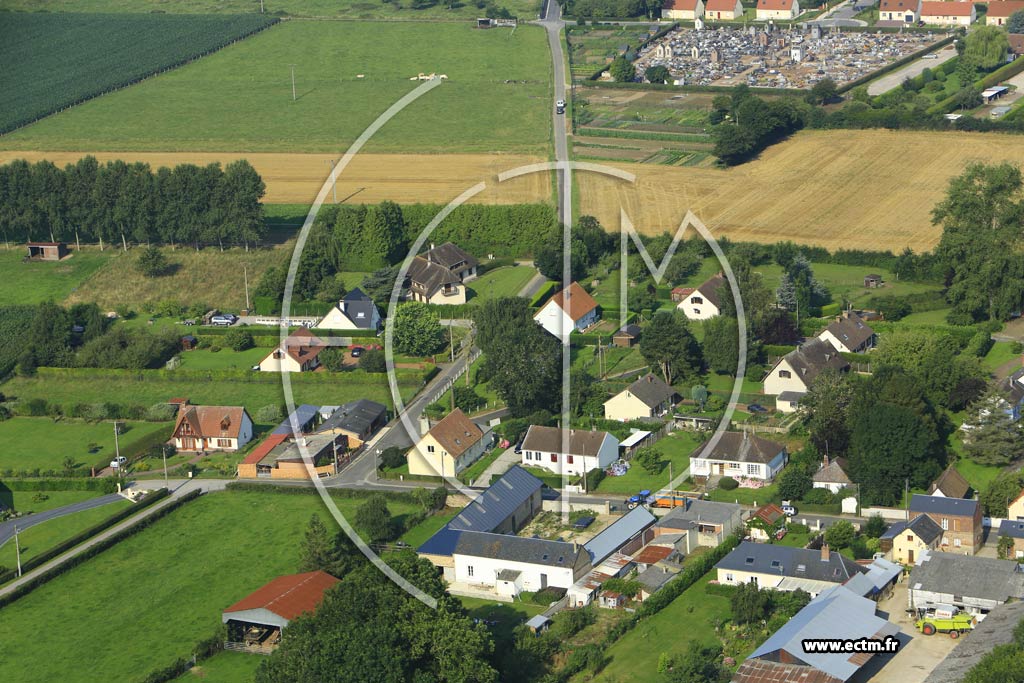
column 288, row 596
column 740, row 447
column 264, row 448
column 549, row 439
column 811, row 359
column 720, row 5
column 946, row 9
column 579, row 302
column 681, row 5
column 941, row 505
column 896, row 6
column 833, row 473
column 456, row 433
column 652, row 554
column 775, row 4
column 850, row 330
column 428, row 277
column 711, row 287
column 652, row 390
column 450, row 256
column 951, row 483
column 1004, row 9
column 211, row 421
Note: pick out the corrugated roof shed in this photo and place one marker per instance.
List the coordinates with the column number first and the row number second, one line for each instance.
column 299, row 420
column 618, row 533
column 981, row 578
column 287, row 596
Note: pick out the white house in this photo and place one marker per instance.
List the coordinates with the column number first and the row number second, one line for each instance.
column 682, row 9
column 903, row 11
column 705, row 301
column 998, row 13
column 211, row 428
column 568, row 310
column 437, row 276
column 452, row 445
column 832, row 475
column 943, row 13
column 647, row 397
column 739, row 454
column 582, row 451
column 777, row 9
column 723, row 10
column 793, row 373
column 849, row 334
column 510, row 565
column 354, row 312
column 297, row 353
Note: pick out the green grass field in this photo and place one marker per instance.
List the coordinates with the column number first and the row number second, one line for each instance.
column 761, row 496
column 210, row 553
column 496, row 97
column 205, row 359
column 223, row 667
column 416, row 536
column 39, row 442
column 500, row 282
column 24, row 501
column 37, row 281
column 1000, row 354
column 675, row 449
column 347, row 9
column 687, row 620
column 46, row 535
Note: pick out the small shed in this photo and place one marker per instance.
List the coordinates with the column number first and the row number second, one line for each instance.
column 538, row 623
column 46, row 251
column 627, row 336
column 994, row 93
column 189, row 342
column 873, row 280
column 254, row 624
column 611, row 599
column 680, row 293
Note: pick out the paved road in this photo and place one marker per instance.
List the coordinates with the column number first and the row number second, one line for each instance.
column 894, row 78
column 841, row 15
column 552, row 23
column 7, row 528
column 533, row 286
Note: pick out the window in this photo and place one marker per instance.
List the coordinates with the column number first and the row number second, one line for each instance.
column 469, row 570
column 696, row 301
column 785, row 374
column 753, row 580
column 753, row 469
column 430, row 449
column 696, row 311
column 956, row 542
column 945, row 524
column 910, row 537
column 554, row 457
column 223, row 443
column 729, row 578
column 568, row 460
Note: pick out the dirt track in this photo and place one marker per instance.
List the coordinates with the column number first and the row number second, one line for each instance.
column 852, row 189
column 369, row 178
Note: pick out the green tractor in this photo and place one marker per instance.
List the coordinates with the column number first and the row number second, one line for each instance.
column 945, row 619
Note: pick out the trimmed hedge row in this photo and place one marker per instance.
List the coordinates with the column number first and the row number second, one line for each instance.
column 82, row 536
column 95, row 550
column 543, row 294
column 232, row 375
column 104, row 484
column 895, row 65
column 204, row 649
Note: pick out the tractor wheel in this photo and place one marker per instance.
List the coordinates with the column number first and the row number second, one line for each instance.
column 632, row 506
column 928, row 629
column 954, row 634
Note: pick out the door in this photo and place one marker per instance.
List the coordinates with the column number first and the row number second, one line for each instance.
column 543, row 581
column 910, row 556
column 721, row 468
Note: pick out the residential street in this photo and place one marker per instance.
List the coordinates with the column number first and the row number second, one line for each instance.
column 553, row 24
column 894, row 78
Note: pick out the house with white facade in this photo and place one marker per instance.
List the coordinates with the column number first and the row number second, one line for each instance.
column 832, row 475
column 739, row 454
column 682, row 9
column 356, row 311
column 784, row 568
column 299, row 352
column 784, row 10
column 848, row 333
column 902, row 11
column 510, row 565
column 793, row 374
column 942, row 13
column 723, row 10
column 573, row 451
column 647, row 398
column 571, row 309
column 999, row 13
column 211, row 428
column 705, row 301
column 452, row 445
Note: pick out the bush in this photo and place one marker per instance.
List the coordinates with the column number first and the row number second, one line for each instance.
column 161, row 412
column 269, row 414
column 239, row 340
column 728, row 484
column 152, row 262
column 819, row 497
column 392, row 458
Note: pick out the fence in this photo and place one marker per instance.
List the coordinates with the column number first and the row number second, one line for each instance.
column 885, row 513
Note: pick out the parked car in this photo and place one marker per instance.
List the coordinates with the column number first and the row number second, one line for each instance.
column 789, row 510
column 118, row 462
column 756, row 408
column 357, row 351
column 221, row 320
column 560, row 106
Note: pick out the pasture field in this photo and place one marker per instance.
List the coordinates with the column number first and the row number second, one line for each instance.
column 211, row 552
column 32, row 282
column 827, row 188
column 24, row 501
column 294, row 179
column 45, row 535
column 346, row 9
column 147, row 389
column 98, row 53
column 496, row 97
column 223, row 667
column 39, row 442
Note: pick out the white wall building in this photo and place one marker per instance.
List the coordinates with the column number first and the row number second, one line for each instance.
column 582, row 451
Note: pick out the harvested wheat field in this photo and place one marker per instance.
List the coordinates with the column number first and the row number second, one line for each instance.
column 369, row 178
column 852, row 189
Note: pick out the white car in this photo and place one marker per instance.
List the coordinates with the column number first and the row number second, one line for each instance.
column 560, row 106
column 118, row 462
column 789, row 510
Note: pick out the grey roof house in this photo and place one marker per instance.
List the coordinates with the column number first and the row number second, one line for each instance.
column 355, row 311
column 739, row 454
column 711, row 522
column 784, row 568
column 848, row 333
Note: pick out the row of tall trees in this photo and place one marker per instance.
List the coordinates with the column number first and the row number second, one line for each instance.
column 121, row 202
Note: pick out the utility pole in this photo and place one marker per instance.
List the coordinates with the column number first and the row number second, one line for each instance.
column 245, row 274
column 334, row 181
column 163, row 451
column 293, row 81
column 261, row 7
column 117, row 449
column 17, row 549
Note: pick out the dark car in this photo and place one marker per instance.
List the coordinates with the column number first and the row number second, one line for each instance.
column 357, row 351
column 756, row 408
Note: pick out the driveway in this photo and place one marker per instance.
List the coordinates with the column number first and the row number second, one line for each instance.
column 497, row 468
column 895, row 78
column 918, row 655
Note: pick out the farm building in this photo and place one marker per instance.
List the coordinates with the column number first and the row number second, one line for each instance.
column 256, row 621
column 848, row 333
column 996, row 629
column 974, row 584
column 646, row 398
column 510, row 565
column 723, row 10
column 940, row 13
column 46, row 251
column 627, row 534
column 682, row 9
column 572, row 452
column 211, row 428
column 904, row 542
column 437, row 275
column 452, row 445
column 998, row 13
column 297, row 353
column 356, row 311
column 710, row 521
column 872, row 281
column 777, row 9
column 902, row 12
column 705, row 301
column 281, row 456
column 358, row 420
column 739, row 455
column 836, row 613
column 627, row 337
column 784, row 568
column 568, row 310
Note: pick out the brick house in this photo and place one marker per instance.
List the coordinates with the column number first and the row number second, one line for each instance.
column 959, row 519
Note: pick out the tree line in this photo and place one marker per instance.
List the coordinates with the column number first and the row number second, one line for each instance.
column 129, row 202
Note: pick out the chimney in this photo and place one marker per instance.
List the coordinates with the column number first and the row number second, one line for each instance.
column 824, row 461
column 650, row 378
column 826, row 554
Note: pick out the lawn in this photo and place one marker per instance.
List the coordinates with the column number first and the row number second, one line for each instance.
column 689, row 619
column 223, row 667
column 613, row 361
column 46, row 535
column 24, row 501
column 506, row 281
column 37, row 281
column 205, row 359
column 847, row 282
column 210, row 553
column 1000, row 354
column 496, row 96
column 761, row 496
column 675, row 449
column 417, row 535
column 936, row 317
column 979, row 476
column 345, row 9
column 506, row 615
column 39, row 442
